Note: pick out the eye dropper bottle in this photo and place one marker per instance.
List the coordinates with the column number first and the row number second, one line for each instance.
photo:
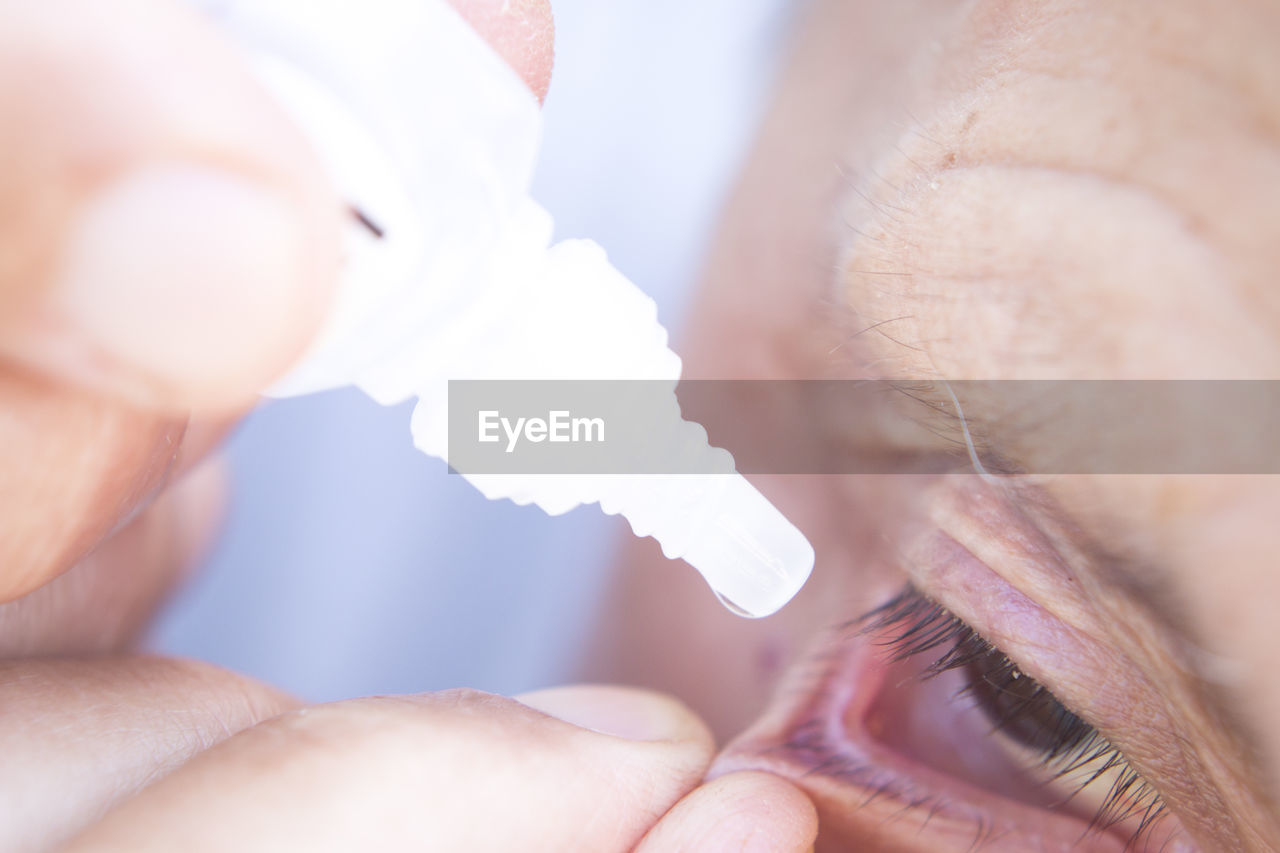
column 449, row 272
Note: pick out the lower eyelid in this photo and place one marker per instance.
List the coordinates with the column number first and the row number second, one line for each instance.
column 832, row 734
column 894, row 762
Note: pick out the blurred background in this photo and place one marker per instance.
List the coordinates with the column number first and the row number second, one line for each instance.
column 351, row 564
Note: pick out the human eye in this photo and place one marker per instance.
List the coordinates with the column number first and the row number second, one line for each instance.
column 912, row 731
column 1009, row 697
column 1063, row 752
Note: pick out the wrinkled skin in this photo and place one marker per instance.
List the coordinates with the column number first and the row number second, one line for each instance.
column 1004, row 190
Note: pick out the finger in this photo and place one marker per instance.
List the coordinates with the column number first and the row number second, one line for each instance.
column 165, row 233
column 75, row 467
column 104, row 603
column 521, row 31
column 739, row 813
column 79, row 736
column 457, row 770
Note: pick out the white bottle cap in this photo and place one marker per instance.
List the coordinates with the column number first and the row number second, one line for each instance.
column 432, row 137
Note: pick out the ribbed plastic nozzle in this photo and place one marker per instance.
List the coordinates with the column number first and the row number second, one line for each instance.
column 747, row 551
column 431, row 135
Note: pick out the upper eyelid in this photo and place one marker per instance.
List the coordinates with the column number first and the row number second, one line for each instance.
column 1029, row 654
column 870, row 623
column 1056, row 654
column 1153, row 725
column 1108, row 571
column 1101, row 684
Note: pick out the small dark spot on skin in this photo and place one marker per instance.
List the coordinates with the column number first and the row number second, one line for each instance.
column 770, row 659
column 950, row 159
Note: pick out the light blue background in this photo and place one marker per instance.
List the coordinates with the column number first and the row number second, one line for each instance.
column 351, row 564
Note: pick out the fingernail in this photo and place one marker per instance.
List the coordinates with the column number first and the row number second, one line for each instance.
column 619, row 711
column 176, row 281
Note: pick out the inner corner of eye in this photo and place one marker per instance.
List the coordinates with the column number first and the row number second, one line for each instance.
column 948, row 700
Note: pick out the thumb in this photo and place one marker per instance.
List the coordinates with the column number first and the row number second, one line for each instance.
column 165, row 234
column 591, row 769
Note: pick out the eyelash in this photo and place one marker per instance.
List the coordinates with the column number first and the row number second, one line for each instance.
column 912, row 624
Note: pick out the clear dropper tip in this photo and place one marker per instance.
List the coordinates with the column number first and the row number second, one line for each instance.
column 752, row 556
